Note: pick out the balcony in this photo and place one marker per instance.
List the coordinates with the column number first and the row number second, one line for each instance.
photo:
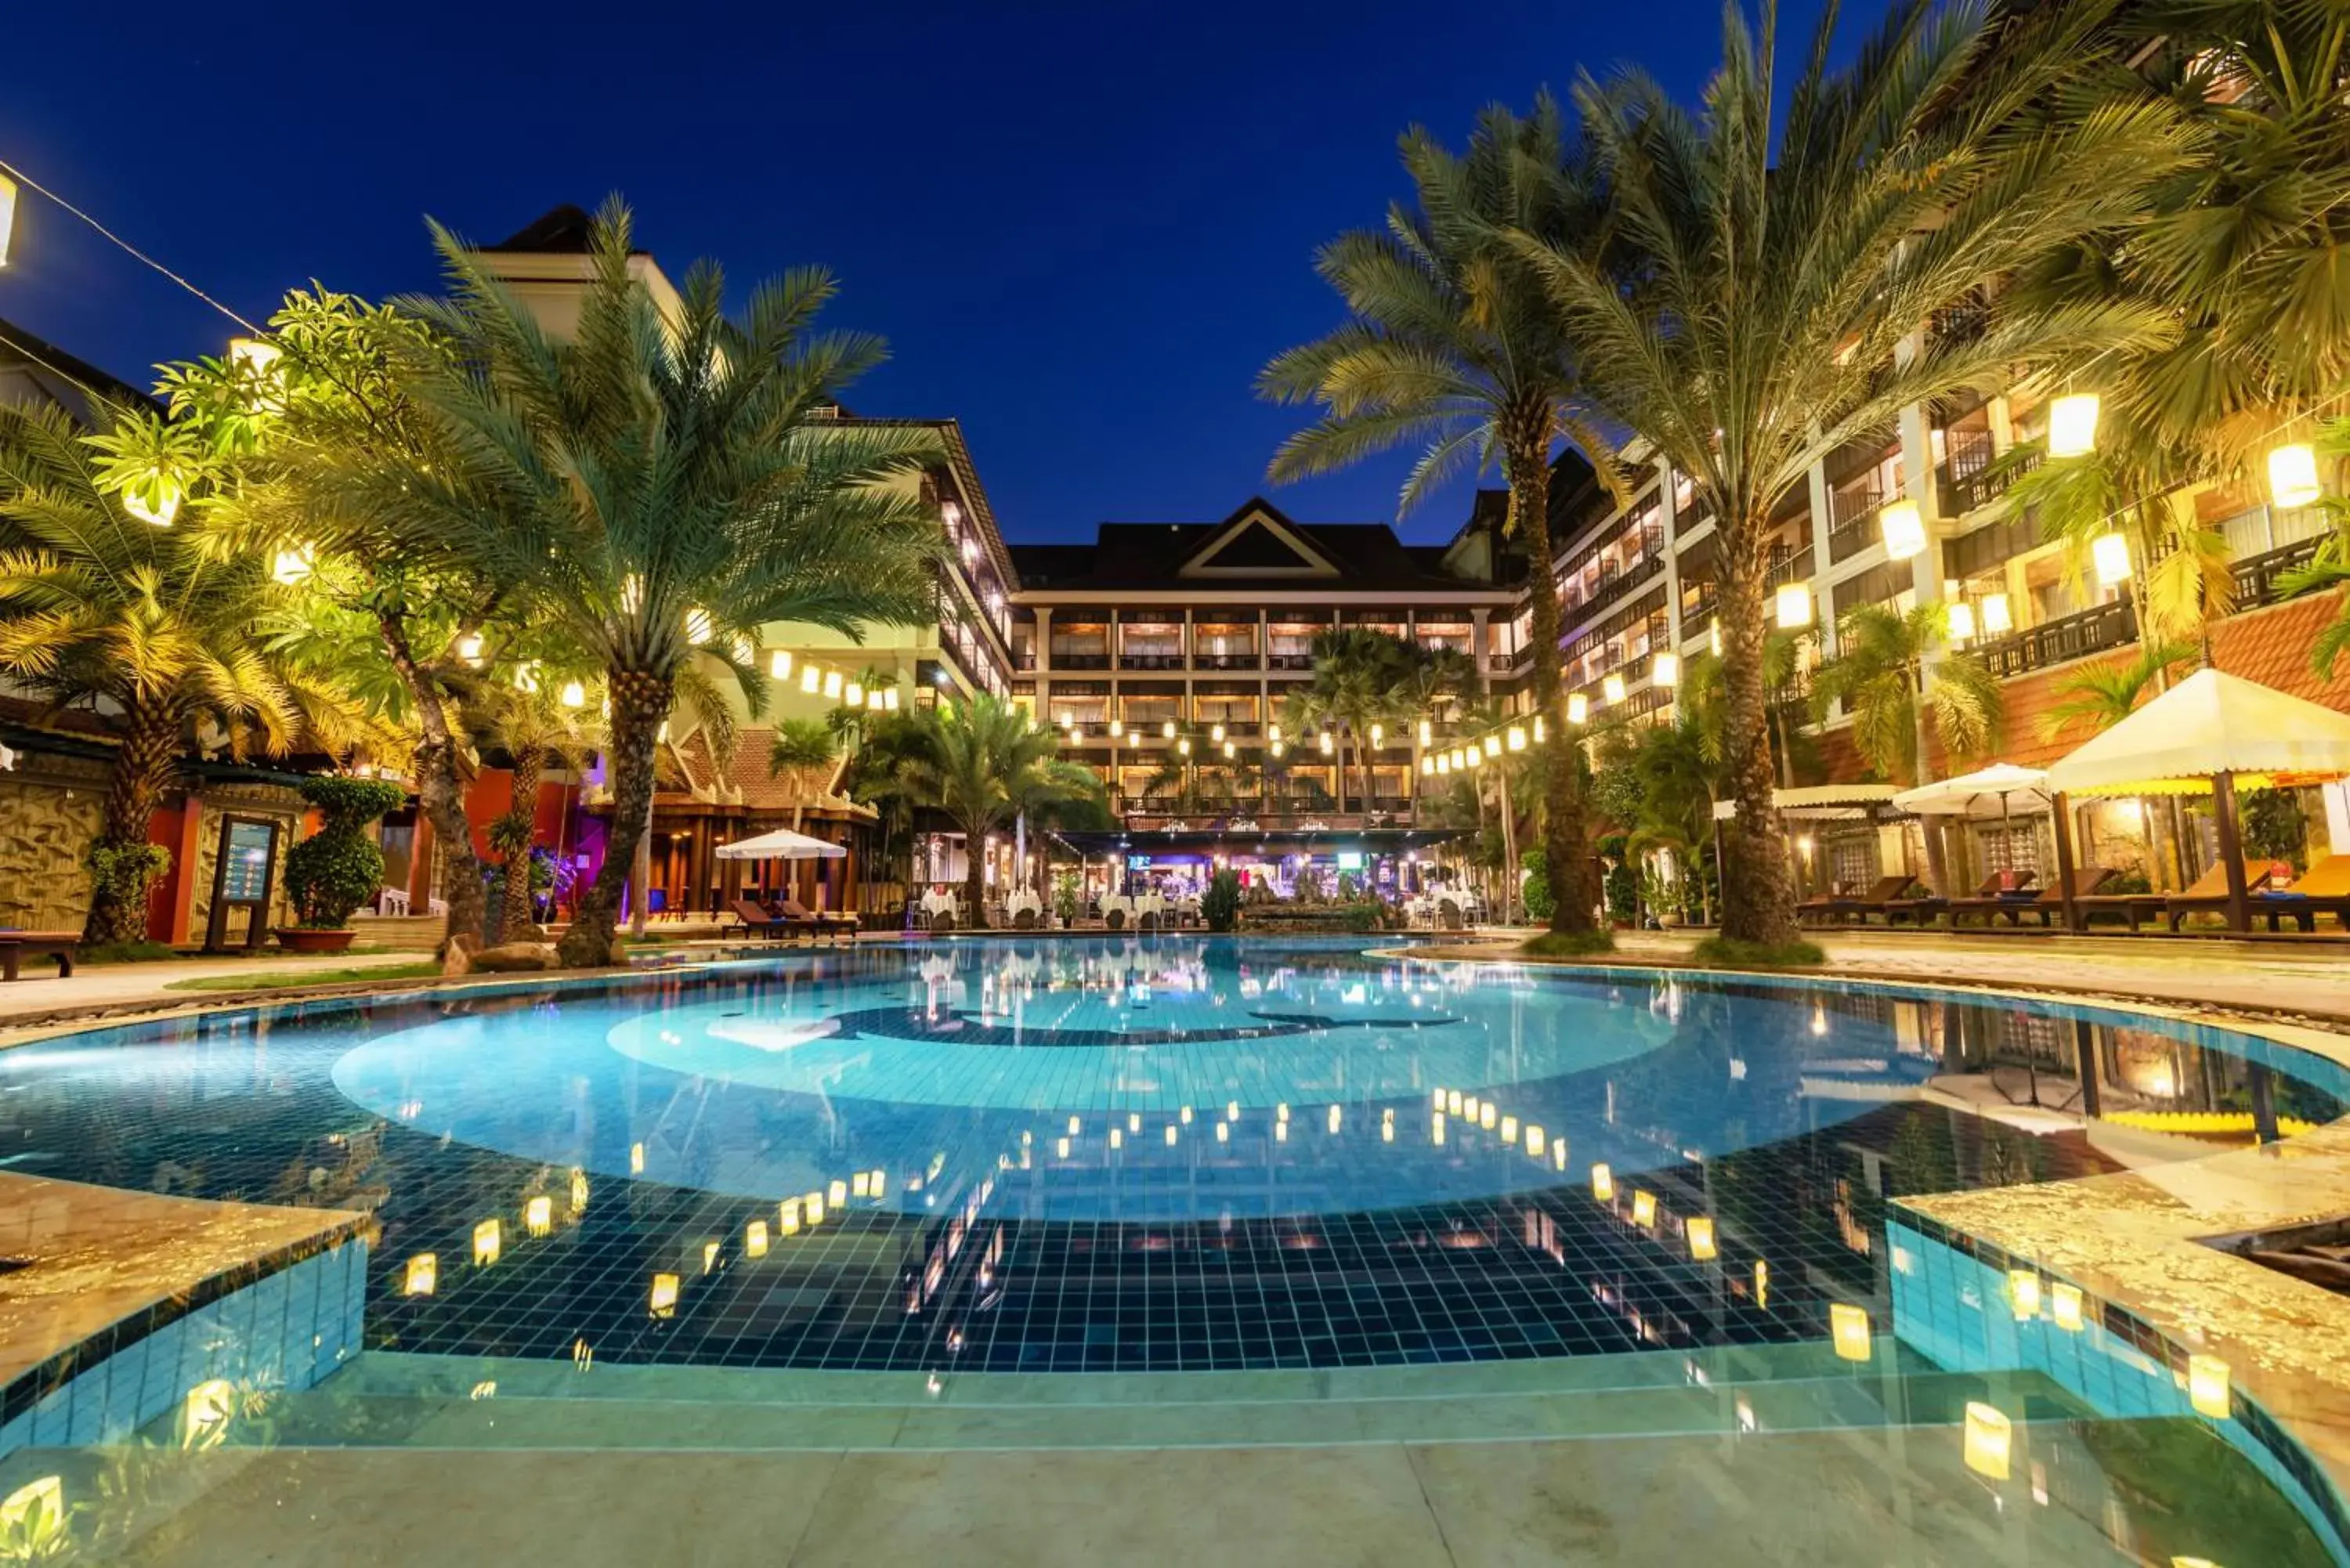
column 1852, row 521
column 2256, row 576
column 1643, row 571
column 1972, row 476
column 1793, row 567
column 1089, row 661
column 1151, row 658
column 1289, row 659
column 1224, row 660
column 2097, row 629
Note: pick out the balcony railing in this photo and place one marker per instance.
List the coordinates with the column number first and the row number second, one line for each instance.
column 1225, row 661
column 1972, row 476
column 1793, row 567
column 1279, row 659
column 1080, row 659
column 1644, row 570
column 1151, row 660
column 2256, row 576
column 2097, row 629
column 1852, row 517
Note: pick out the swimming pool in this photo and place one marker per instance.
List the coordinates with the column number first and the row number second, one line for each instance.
column 1170, row 1154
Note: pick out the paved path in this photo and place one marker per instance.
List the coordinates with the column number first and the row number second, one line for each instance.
column 121, row 985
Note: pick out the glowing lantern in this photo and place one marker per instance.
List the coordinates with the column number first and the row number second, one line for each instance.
column 1444, row 766
column 812, row 1206
column 573, row 695
column 663, row 1302
column 755, row 1239
column 860, row 1185
column 2023, row 1293
column 1428, row 767
column 1540, row 733
column 832, row 684
column 1453, row 1102
column 7, row 227
column 1328, row 745
column 2073, row 425
column 1229, row 750
column 1996, row 619
column 635, row 1160
column 1277, row 749
column 1117, row 1138
column 1644, row 1208
column 1713, row 638
column 1273, row 734
column 1333, row 1118
column 2207, row 1387
column 1578, row 708
column 1183, row 747
column 1761, row 1283
column 1793, row 606
column 1223, row 1133
column 1536, row 1141
column 890, row 701
column 469, row 648
column 880, row 1181
column 853, row 694
column 1903, row 530
column 2292, row 475
column 1603, row 1184
column 1959, row 619
column 1387, row 1128
column 1426, row 732
column 779, row 664
column 1281, row 1132
column 787, row 1217
column 1558, row 1153
column 1848, row 1325
column 1493, row 745
column 2111, row 556
column 1612, row 689
column 1700, row 1238
column 1517, row 737
column 291, row 566
column 1436, row 1129
column 1166, row 731
column 424, row 1275
column 1988, row 1436
column 836, row 1195
column 1378, row 735
column 699, row 627
column 579, row 1192
column 1485, row 1116
column 1061, row 1146
column 2065, row 1307
column 1281, row 1112
column 1509, row 1130
column 811, row 677
column 709, row 1256
column 1117, row 729
column 1216, row 734
column 1665, row 670
column 1171, row 1134
column 538, row 1215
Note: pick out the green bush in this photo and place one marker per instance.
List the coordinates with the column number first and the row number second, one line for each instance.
column 1623, row 894
column 2274, row 826
column 126, row 871
column 1730, row 954
column 1540, row 904
column 338, row 869
column 1220, row 905
column 1361, row 915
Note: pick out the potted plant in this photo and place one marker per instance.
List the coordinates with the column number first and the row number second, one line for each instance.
column 338, row 869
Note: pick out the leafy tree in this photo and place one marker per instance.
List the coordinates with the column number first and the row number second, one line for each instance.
column 1361, row 678
column 661, row 486
column 1761, row 302
column 158, row 625
column 1881, row 677
column 1450, row 347
column 805, row 748
column 2099, row 696
column 339, row 867
column 1220, row 905
column 534, row 728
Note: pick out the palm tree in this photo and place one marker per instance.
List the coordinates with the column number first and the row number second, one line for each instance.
column 1762, row 300
column 159, row 625
column 663, row 486
column 806, row 748
column 983, row 762
column 534, row 727
column 1450, row 347
column 1360, row 682
column 1881, row 678
column 2099, row 696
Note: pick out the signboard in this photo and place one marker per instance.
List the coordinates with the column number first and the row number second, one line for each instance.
column 1138, row 862
column 1350, row 860
column 242, row 872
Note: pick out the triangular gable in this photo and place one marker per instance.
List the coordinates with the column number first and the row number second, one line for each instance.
column 1257, row 541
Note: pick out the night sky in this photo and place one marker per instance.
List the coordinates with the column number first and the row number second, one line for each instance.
column 1081, row 228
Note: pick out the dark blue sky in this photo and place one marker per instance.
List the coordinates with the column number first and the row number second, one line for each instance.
column 1083, row 228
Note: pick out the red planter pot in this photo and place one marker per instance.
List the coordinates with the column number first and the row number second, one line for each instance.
column 306, row 939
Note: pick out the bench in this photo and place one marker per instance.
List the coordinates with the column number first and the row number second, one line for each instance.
column 14, row 946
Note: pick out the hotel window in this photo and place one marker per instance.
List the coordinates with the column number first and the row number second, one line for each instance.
column 1454, row 635
column 1391, row 622
column 1148, row 710
column 1224, row 643
column 1151, row 644
column 1236, row 710
column 1289, row 644
column 1080, row 645
column 1077, row 707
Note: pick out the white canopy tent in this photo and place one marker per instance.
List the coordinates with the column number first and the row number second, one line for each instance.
column 1825, row 802
column 2211, row 731
column 1995, row 791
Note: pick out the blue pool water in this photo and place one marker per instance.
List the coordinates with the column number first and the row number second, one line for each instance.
column 1136, row 1153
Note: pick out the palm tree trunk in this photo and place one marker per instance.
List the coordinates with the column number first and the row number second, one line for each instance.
column 1921, row 772
column 514, row 913
column 439, row 791
column 142, row 772
column 975, row 878
column 1757, row 904
column 639, row 702
column 1565, row 854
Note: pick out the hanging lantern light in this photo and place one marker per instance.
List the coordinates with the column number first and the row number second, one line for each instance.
column 779, row 664
column 469, row 648
column 1428, row 767
column 1988, row 1436
column 1517, row 737
column 853, row 694
column 1701, row 1239
column 1443, row 766
column 1378, row 735
column 1959, row 619
column 873, row 701
column 1713, row 638
column 1794, row 606
column 1229, row 750
column 1996, row 620
column 1216, row 734
column 1166, row 731
column 291, row 566
column 1273, row 733
column 1902, row 528
column 1665, row 670
column 2292, row 475
column 573, row 695
column 1611, row 689
column 2111, row 556
column 1603, row 1183
column 1426, row 732
column 525, row 679
column 1116, row 728
column 2073, row 425
column 832, row 683
column 1183, row 747
column 1578, row 708
column 1277, row 749
column 1849, row 1326
column 811, row 677
column 1329, row 743
column 7, row 215
column 1493, row 745
column 890, row 701
column 1541, row 731
column 422, row 1275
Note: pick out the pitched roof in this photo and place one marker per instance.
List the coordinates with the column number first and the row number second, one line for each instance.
column 1258, row 546
column 567, row 230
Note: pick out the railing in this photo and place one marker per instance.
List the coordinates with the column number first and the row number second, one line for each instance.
column 1224, row 660
column 1971, row 476
column 1795, row 568
column 2256, row 576
column 1289, row 661
column 1644, row 570
column 2094, row 631
column 1852, row 521
column 1080, row 659
column 1151, row 662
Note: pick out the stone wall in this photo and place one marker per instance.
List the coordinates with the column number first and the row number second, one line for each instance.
column 49, row 811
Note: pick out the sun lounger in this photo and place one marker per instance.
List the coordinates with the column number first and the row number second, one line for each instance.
column 1874, row 902
column 2210, row 894
column 755, row 921
column 798, row 919
column 2322, row 889
column 1933, row 906
column 1819, row 904
column 2046, row 907
column 14, row 946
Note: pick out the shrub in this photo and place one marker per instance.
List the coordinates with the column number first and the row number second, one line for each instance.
column 1730, row 954
column 1220, row 905
column 1540, row 904
column 1361, row 915
column 338, row 867
column 1623, row 894
column 125, row 871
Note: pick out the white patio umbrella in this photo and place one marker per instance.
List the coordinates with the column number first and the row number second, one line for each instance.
column 1987, row 792
column 782, row 844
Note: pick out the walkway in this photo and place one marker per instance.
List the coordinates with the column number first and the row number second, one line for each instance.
column 120, row 987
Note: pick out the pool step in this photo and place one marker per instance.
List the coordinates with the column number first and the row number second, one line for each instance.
column 340, row 1415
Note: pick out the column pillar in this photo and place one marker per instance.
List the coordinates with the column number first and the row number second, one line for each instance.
column 1481, row 647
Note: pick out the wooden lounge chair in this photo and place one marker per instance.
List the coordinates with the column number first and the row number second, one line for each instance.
column 1816, row 906
column 798, row 919
column 2209, row 896
column 1933, row 906
column 755, row 921
column 2046, row 907
column 2322, row 889
column 14, row 946
column 1873, row 902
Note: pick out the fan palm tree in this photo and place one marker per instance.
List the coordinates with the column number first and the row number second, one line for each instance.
column 663, row 486
column 157, row 625
column 534, row 728
column 983, row 762
column 1762, row 300
column 1362, row 678
column 1450, row 347
column 806, row 748
column 1880, row 676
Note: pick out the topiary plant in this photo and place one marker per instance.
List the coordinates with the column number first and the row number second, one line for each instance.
column 1220, row 905
column 335, row 870
column 1540, row 904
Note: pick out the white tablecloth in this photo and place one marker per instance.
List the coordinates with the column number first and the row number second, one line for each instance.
column 934, row 903
column 1025, row 899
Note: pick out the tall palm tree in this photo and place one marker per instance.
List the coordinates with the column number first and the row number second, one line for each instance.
column 1450, row 347
column 1361, row 680
column 983, row 762
column 803, row 748
column 534, row 727
column 160, row 626
column 2099, row 696
column 663, row 486
column 1765, row 300
column 1880, row 676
